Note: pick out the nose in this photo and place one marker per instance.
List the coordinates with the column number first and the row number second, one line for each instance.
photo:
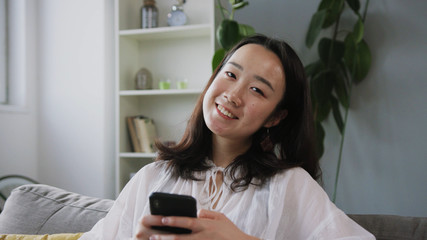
column 233, row 96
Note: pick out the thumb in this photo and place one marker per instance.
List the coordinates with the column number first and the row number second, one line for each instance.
column 203, row 213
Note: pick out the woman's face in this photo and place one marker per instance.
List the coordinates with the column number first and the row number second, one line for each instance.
column 244, row 94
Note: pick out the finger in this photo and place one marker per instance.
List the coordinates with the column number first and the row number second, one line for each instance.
column 152, row 220
column 203, row 213
column 181, row 222
column 147, row 233
column 171, row 237
column 144, row 228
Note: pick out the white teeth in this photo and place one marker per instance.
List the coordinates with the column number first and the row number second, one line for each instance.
column 225, row 112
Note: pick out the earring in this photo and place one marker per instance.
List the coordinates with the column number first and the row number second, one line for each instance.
column 266, row 143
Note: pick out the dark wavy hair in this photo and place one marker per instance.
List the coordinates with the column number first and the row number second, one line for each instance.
column 291, row 141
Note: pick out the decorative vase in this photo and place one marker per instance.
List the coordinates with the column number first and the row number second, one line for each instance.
column 143, row 79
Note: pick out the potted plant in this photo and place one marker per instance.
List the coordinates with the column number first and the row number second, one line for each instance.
column 229, row 32
column 344, row 60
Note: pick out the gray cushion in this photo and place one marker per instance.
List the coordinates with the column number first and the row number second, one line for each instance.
column 42, row 209
column 393, row 227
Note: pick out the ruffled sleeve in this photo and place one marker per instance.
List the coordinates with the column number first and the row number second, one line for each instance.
column 300, row 209
column 131, row 204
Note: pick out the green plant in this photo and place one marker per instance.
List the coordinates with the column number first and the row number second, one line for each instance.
column 344, row 60
column 229, row 32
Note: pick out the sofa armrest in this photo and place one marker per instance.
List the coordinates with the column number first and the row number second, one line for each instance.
column 43, row 209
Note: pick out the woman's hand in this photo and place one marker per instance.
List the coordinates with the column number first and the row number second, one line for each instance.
column 208, row 225
column 144, row 228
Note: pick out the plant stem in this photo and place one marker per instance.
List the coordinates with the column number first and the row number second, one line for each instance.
column 334, row 37
column 232, row 14
column 337, row 173
column 345, row 118
column 365, row 11
column 221, row 8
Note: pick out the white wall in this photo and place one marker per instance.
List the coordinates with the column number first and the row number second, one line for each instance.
column 18, row 123
column 76, row 100
column 63, row 135
column 384, row 162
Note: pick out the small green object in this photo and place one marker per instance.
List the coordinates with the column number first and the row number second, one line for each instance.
column 164, row 85
column 181, row 85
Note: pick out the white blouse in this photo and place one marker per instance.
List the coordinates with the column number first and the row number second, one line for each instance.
column 291, row 205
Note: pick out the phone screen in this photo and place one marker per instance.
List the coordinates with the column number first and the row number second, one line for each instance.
column 168, row 204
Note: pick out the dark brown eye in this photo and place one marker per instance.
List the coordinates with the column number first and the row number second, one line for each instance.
column 230, row 74
column 257, row 90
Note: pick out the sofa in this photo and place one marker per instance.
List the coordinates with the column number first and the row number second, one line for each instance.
column 40, row 211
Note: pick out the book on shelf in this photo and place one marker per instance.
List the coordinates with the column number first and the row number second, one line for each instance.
column 136, row 147
column 142, row 131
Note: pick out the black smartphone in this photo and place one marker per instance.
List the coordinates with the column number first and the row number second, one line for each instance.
column 168, row 204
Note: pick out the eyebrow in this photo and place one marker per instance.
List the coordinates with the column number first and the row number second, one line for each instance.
column 259, row 78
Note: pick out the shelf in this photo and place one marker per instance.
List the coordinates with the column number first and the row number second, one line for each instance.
column 159, row 92
column 169, row 52
column 186, row 31
column 137, row 155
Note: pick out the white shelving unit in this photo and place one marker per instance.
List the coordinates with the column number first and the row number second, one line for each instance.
column 174, row 53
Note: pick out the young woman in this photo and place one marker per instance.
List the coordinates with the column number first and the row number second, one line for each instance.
column 247, row 156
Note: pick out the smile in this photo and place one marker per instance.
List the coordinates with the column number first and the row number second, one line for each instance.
column 222, row 110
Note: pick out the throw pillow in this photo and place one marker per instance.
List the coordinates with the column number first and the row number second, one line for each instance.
column 60, row 236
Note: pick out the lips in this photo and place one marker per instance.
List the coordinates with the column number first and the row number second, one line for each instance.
column 224, row 111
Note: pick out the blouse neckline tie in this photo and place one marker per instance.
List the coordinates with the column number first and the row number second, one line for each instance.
column 211, row 189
